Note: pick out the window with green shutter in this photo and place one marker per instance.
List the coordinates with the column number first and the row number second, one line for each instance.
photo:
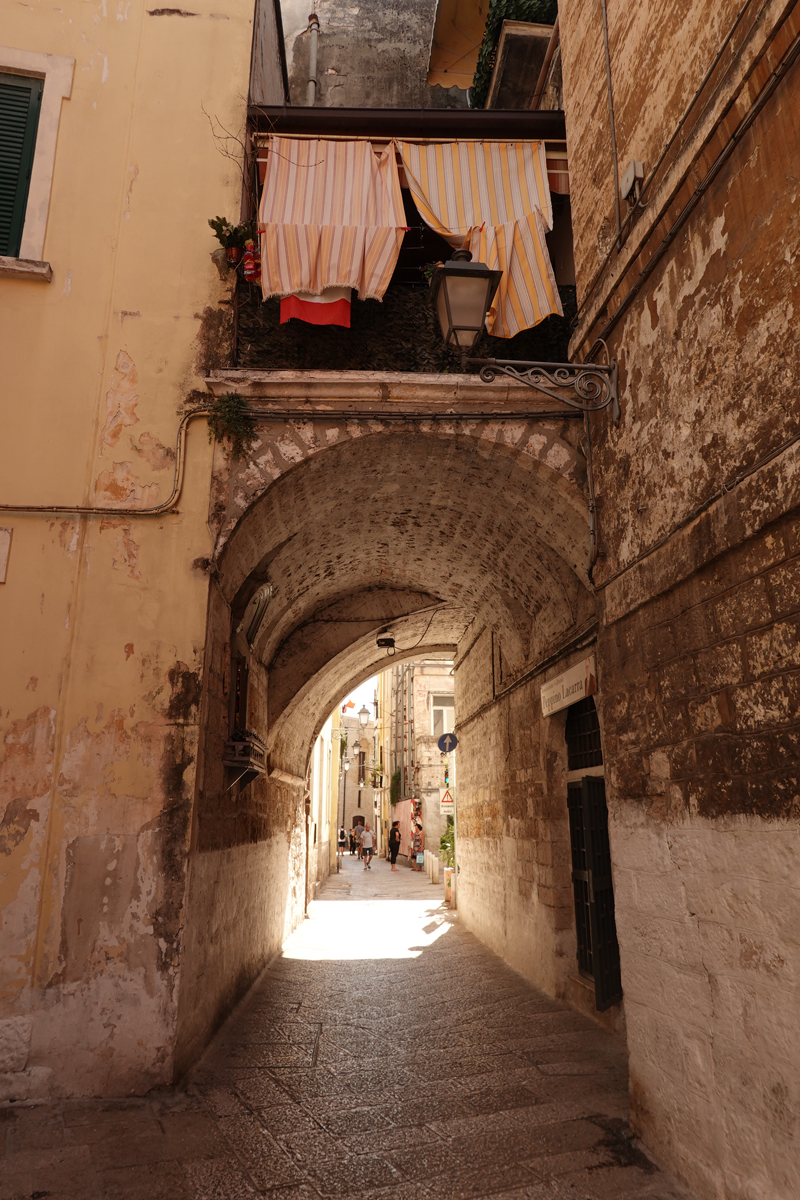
column 20, row 101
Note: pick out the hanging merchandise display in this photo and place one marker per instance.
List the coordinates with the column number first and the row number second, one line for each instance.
column 252, row 261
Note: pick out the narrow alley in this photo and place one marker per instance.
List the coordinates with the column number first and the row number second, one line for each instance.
column 386, row 1053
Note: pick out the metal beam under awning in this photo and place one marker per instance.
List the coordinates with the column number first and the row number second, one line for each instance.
column 431, row 123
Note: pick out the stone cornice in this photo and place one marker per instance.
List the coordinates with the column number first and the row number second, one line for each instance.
column 336, row 391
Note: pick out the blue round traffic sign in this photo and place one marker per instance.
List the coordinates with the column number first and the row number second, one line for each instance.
column 447, row 742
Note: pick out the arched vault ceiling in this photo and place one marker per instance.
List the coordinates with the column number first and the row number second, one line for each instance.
column 364, row 535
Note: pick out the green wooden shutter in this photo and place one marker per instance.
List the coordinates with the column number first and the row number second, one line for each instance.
column 20, row 101
column 605, row 950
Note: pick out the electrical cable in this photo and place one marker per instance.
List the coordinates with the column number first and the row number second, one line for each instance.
column 405, row 649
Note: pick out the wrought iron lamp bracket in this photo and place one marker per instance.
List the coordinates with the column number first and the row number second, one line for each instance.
column 593, row 386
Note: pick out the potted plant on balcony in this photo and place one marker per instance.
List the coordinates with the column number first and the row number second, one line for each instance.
column 232, row 237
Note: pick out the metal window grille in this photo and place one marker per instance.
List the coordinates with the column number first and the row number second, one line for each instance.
column 583, row 736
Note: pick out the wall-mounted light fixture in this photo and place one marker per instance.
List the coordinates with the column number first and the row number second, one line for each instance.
column 462, row 292
column 363, row 716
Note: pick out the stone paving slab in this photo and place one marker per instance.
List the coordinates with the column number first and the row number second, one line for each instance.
column 387, row 1055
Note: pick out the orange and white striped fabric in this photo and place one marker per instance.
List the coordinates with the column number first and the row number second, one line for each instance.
column 331, row 215
column 492, row 198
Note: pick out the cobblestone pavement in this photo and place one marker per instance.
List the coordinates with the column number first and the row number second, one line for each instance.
column 387, row 1054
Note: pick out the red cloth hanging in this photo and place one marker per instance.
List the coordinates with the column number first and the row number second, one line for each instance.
column 331, row 307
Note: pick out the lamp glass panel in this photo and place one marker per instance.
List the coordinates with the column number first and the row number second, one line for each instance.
column 467, row 295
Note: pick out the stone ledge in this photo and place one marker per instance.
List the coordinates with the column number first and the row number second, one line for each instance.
column 295, row 387
column 25, row 268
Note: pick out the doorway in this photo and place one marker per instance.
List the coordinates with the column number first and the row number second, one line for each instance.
column 592, row 885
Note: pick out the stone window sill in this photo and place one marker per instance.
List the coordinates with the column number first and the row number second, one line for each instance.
column 25, row 268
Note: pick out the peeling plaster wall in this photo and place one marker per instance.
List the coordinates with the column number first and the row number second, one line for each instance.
column 370, row 55
column 697, row 651
column 103, row 620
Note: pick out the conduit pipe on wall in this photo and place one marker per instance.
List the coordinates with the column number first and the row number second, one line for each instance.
column 313, row 29
column 541, row 82
column 612, row 122
column 260, row 414
column 117, row 511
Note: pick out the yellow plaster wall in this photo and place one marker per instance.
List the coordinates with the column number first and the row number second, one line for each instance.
column 102, row 621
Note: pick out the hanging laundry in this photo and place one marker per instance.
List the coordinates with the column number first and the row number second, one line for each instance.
column 330, row 307
column 331, row 219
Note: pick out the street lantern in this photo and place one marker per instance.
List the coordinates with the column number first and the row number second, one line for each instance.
column 347, row 764
column 363, row 716
column 462, row 292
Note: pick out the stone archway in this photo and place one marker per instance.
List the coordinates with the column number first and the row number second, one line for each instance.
column 430, row 530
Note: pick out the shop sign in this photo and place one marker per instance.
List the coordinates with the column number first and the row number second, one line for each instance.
column 575, row 684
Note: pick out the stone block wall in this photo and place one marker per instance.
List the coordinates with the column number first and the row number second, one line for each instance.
column 702, row 732
column 697, row 488
column 514, row 885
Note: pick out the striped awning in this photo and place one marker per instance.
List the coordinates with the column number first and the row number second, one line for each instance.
column 331, row 215
column 492, row 198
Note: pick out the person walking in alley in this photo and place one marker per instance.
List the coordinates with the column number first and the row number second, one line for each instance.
column 367, row 847
column 353, row 840
column 341, row 841
column 418, row 848
column 394, row 843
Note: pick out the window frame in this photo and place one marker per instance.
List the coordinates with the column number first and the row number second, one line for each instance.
column 442, row 708
column 57, row 72
column 27, row 90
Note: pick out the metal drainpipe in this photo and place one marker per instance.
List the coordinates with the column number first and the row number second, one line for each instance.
column 593, row 542
column 612, row 122
column 313, row 29
column 541, row 82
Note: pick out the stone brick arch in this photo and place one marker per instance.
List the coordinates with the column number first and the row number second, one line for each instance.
column 422, row 528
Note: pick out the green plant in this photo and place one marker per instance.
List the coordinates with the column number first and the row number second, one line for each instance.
column 428, row 269
column 232, row 235
column 540, row 12
column 230, row 421
column 394, row 788
column 447, row 844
